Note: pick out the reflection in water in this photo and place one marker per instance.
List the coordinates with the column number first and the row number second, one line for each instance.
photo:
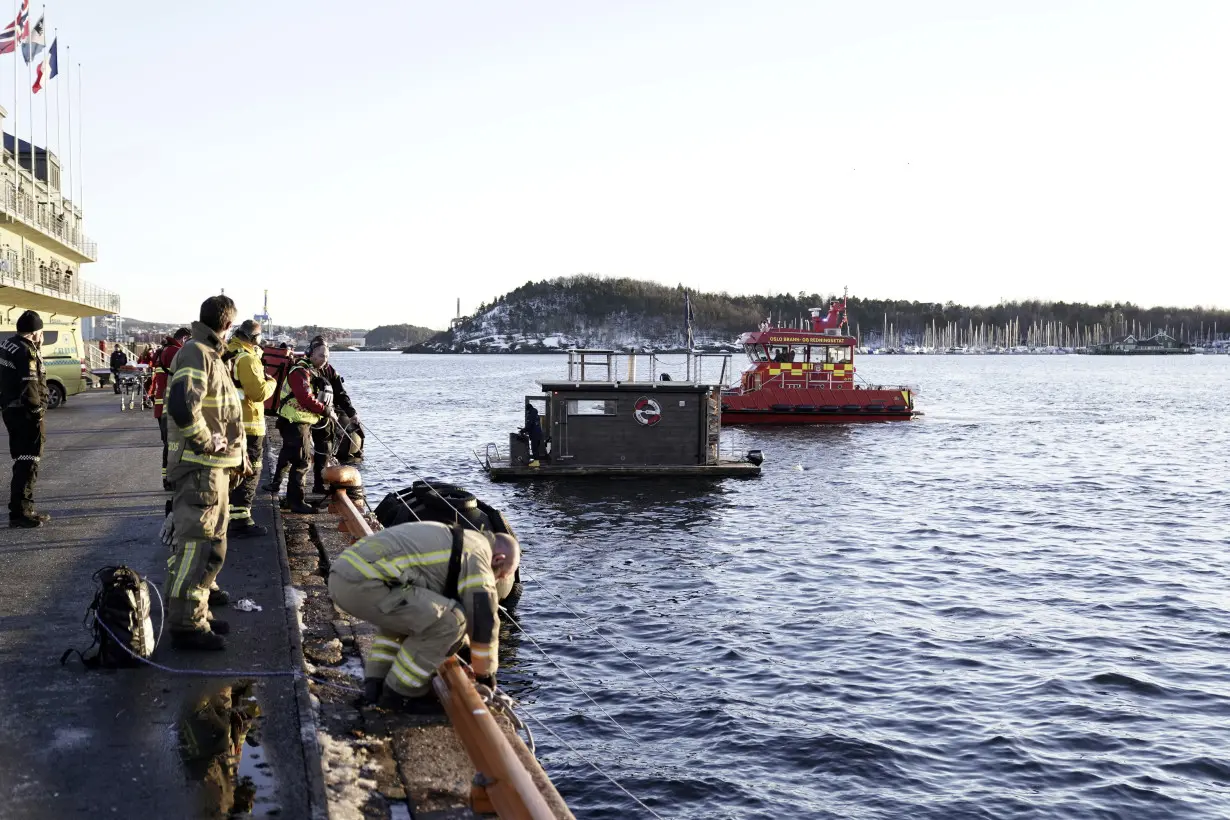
column 212, row 732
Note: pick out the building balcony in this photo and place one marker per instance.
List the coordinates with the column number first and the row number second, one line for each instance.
column 52, row 292
column 44, row 220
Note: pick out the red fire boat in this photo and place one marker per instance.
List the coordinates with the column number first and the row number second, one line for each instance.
column 806, row 376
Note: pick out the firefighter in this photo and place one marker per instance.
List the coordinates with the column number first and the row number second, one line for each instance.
column 300, row 407
column 23, row 396
column 248, row 374
column 325, row 435
column 170, row 346
column 426, row 587
column 205, row 459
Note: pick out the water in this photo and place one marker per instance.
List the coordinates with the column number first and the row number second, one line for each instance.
column 1015, row 606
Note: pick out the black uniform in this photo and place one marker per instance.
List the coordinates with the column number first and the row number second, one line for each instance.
column 23, row 397
column 330, row 389
column 118, row 359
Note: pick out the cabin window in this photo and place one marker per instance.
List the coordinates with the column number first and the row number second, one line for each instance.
column 838, row 354
column 757, row 353
column 591, row 407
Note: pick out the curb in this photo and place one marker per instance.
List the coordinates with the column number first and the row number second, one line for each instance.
column 318, row 799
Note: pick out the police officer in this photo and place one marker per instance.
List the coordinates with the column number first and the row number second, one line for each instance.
column 300, row 408
column 119, row 359
column 23, row 396
column 426, row 587
column 255, row 387
column 205, row 449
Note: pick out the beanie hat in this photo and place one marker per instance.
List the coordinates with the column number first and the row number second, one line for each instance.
column 29, row 322
column 183, row 333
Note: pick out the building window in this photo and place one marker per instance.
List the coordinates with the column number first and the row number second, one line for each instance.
column 591, row 407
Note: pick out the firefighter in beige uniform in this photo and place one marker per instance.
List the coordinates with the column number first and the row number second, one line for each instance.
column 205, row 451
column 426, row 586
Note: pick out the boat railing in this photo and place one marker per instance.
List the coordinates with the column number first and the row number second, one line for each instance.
column 610, row 366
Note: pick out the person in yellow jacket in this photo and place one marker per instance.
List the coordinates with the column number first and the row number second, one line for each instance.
column 205, row 448
column 426, row 587
column 255, row 387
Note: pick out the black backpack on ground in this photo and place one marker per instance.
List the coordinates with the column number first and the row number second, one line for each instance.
column 119, row 617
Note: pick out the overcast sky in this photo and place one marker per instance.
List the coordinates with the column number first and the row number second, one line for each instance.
column 370, row 163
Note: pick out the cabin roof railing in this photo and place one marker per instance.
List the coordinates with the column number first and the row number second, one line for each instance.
column 611, row 367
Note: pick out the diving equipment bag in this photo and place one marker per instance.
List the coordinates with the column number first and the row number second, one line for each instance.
column 119, row 618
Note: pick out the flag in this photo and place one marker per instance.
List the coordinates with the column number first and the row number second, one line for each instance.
column 36, row 39
column 16, row 31
column 53, row 60
column 41, row 75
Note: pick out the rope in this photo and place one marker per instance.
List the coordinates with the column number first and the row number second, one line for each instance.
column 589, row 762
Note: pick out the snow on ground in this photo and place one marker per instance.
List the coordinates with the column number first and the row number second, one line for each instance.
column 294, row 601
column 345, row 767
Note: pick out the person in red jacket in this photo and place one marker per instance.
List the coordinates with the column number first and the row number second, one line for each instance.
column 162, row 369
column 299, row 407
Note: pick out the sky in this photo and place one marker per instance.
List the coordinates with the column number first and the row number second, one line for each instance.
column 371, row 164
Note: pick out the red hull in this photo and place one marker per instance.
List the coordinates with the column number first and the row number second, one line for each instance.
column 772, row 405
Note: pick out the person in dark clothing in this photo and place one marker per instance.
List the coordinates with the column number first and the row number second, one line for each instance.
column 331, row 387
column 533, row 429
column 23, row 397
column 118, row 359
column 300, row 408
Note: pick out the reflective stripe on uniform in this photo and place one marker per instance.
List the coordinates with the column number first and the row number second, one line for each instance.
column 210, row 460
column 471, row 582
column 185, row 563
column 192, row 429
column 364, row 568
column 240, row 513
column 189, row 373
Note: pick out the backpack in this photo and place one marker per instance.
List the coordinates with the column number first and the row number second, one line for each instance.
column 119, row 617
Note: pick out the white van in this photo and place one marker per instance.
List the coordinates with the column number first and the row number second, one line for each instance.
column 66, row 371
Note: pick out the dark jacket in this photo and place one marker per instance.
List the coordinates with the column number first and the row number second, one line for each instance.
column 341, row 400
column 118, row 359
column 23, row 378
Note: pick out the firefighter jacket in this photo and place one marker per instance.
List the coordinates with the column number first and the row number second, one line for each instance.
column 162, row 370
column 299, row 402
column 23, row 378
column 248, row 374
column 418, row 554
column 202, row 402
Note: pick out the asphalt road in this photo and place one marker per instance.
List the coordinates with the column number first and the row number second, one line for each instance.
column 108, row 743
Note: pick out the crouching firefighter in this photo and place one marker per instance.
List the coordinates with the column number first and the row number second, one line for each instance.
column 243, row 354
column 427, row 588
column 300, row 407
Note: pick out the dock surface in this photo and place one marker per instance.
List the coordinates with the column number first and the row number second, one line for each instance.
column 106, row 743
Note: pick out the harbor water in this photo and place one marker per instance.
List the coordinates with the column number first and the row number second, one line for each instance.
column 1015, row 606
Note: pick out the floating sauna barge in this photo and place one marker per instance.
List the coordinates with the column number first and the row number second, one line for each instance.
column 596, row 425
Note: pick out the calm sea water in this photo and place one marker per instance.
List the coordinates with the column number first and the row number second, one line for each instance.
column 1015, row 606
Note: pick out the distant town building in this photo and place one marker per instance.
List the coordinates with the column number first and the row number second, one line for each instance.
column 1129, row 345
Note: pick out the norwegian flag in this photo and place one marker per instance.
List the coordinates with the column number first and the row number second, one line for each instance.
column 16, row 31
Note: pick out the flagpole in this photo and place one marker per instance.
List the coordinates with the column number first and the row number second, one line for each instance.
column 33, row 164
column 55, row 42
column 16, row 113
column 68, row 77
column 80, row 148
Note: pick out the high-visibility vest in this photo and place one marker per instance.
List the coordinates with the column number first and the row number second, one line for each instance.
column 289, row 407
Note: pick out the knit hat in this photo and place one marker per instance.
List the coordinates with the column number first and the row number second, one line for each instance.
column 183, row 333
column 29, row 322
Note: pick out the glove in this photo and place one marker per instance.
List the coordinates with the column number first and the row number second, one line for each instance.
column 167, row 533
column 218, row 443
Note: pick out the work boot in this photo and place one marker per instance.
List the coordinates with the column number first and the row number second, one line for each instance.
column 219, row 627
column 22, row 522
column 219, row 597
column 275, row 482
column 246, row 529
column 202, row 639
column 319, row 488
column 425, row 705
column 300, row 508
column 372, row 687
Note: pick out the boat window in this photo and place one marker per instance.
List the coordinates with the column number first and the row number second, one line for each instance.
column 591, row 407
column 757, row 353
column 839, row 353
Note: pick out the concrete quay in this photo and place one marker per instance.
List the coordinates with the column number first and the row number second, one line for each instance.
column 109, row 743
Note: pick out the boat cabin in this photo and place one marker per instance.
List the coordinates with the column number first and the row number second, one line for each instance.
column 798, row 359
column 651, row 422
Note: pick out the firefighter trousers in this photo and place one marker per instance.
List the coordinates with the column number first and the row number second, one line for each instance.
column 26, row 435
column 418, row 629
column 324, row 443
column 296, row 454
column 200, row 508
column 245, row 491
